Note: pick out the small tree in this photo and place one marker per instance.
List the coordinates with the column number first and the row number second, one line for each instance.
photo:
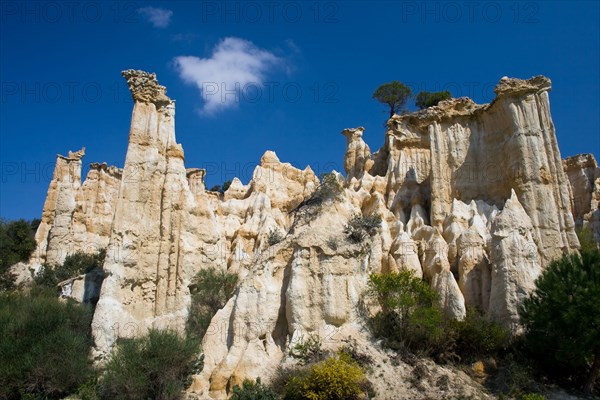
column 154, row 366
column 562, row 317
column 359, row 227
column 17, row 243
column 74, row 265
column 210, row 291
column 253, row 391
column 221, row 189
column 409, row 317
column 430, row 99
column 275, row 236
column 44, row 346
column 395, row 94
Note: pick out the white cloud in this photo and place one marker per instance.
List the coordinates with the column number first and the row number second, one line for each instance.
column 235, row 66
column 159, row 17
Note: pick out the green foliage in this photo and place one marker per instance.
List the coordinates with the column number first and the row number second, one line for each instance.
column 532, row 396
column 328, row 192
column 275, row 236
column 221, row 189
column 351, row 349
column 89, row 390
column 44, row 345
column 336, row 378
column 155, row 366
column 514, row 376
column 562, row 318
column 210, row 291
column 17, row 243
column 586, row 239
column 359, row 227
column 429, row 99
column 477, row 336
column 308, row 350
column 332, row 243
column 409, row 317
column 74, row 265
column 253, row 391
column 394, row 94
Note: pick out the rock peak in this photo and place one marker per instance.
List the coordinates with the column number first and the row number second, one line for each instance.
column 535, row 84
column 353, row 132
column 145, row 88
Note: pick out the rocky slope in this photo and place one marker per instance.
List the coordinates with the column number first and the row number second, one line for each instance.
column 474, row 198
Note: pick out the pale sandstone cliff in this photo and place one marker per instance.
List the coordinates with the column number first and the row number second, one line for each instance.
column 473, row 198
column 76, row 216
column 584, row 177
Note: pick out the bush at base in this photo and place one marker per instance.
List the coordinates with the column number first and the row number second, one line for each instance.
column 562, row 319
column 410, row 319
column 155, row 366
column 336, row 378
column 44, row 346
column 477, row 336
column 409, row 316
column 253, row 391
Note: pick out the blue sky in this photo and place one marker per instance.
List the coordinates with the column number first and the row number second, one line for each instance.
column 306, row 70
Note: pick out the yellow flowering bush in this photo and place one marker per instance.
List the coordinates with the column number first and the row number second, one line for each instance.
column 336, row 378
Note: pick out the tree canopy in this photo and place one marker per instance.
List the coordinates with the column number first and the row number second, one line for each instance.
column 17, row 243
column 395, row 94
column 430, row 99
column 562, row 318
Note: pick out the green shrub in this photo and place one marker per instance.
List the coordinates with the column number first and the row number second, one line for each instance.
column 253, row 391
column 477, row 336
column 336, row 378
column 429, row 99
column 332, row 243
column 352, row 350
column 327, row 193
column 89, row 390
column 410, row 318
column 44, row 346
column 274, row 237
column 562, row 319
column 532, row 396
column 155, row 366
column 74, row 265
column 586, row 239
column 210, row 291
column 308, row 350
column 359, row 227
column 221, row 189
column 329, row 190
column 17, row 243
column 513, row 376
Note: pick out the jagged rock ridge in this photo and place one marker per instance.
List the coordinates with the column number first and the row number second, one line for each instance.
column 474, row 198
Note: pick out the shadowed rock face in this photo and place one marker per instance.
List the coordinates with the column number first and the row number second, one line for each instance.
column 473, row 198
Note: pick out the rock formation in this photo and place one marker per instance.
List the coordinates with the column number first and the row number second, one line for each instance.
column 473, row 198
column 584, row 177
column 76, row 216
